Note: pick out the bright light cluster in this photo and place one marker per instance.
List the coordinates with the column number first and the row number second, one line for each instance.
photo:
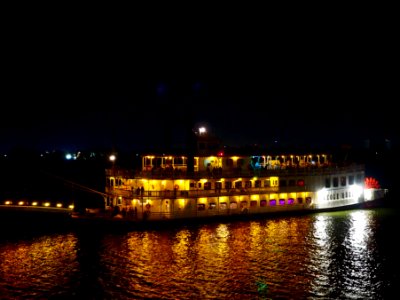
column 355, row 190
column 35, row 203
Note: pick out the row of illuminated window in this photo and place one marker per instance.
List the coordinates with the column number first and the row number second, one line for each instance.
column 219, row 185
column 343, row 180
column 254, row 204
column 337, row 196
column 229, row 162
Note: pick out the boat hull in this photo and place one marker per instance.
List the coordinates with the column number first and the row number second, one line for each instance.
column 137, row 222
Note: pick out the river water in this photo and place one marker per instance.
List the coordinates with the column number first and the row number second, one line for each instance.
column 352, row 254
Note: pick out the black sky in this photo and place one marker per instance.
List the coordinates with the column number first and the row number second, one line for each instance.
column 83, row 89
column 337, row 108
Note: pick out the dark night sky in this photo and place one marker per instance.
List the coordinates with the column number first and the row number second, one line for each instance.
column 66, row 92
column 241, row 110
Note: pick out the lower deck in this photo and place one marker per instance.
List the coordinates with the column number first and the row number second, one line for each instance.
column 258, row 204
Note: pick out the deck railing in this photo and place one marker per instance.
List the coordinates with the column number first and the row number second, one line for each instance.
column 202, row 193
column 289, row 171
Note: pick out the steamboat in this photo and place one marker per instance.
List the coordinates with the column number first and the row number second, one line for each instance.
column 208, row 183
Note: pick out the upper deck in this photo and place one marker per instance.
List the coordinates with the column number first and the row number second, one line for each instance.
column 330, row 169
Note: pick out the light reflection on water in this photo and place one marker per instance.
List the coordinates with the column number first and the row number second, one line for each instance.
column 39, row 267
column 328, row 256
column 341, row 248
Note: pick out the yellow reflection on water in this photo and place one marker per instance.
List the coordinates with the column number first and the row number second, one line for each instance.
column 237, row 256
column 182, row 252
column 46, row 261
column 181, row 247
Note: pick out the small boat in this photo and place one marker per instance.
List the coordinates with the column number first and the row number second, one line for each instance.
column 208, row 183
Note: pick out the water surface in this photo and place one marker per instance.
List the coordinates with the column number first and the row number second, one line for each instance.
column 343, row 255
